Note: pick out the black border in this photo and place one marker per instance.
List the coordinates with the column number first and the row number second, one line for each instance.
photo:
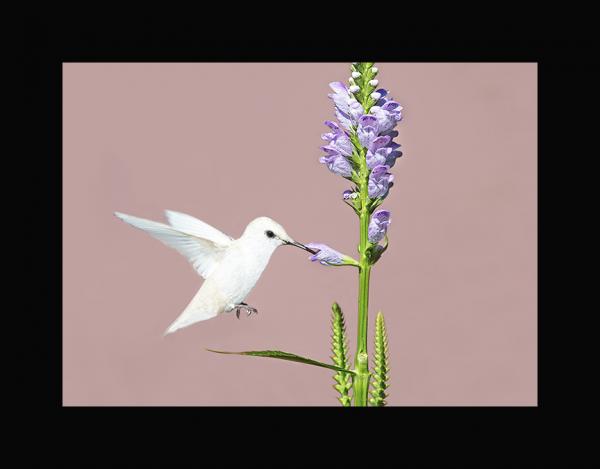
column 425, row 433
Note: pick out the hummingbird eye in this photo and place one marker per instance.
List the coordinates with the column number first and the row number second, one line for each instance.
column 270, row 234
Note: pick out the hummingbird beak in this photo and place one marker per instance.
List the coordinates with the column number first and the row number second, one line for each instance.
column 299, row 245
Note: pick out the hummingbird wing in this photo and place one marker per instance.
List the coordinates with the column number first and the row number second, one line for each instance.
column 188, row 224
column 204, row 254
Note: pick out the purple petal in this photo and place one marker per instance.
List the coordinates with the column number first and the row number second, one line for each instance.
column 366, row 135
column 355, row 109
column 391, row 105
column 378, row 226
column 377, row 158
column 367, row 121
column 337, row 164
column 330, row 150
column 343, row 143
column 338, row 87
column 393, row 155
column 379, row 142
column 325, row 254
column 379, row 181
column 345, row 119
column 385, row 119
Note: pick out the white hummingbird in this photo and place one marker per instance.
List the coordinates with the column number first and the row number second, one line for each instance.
column 230, row 267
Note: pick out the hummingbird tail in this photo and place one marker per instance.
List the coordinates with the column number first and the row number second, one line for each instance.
column 203, row 306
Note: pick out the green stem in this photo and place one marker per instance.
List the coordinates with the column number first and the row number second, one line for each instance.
column 361, row 363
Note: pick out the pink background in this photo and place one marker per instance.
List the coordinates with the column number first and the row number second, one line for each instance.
column 229, row 142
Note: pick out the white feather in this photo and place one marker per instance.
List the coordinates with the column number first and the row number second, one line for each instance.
column 207, row 303
column 188, row 224
column 204, row 254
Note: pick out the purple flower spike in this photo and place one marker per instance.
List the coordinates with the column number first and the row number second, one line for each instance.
column 379, row 181
column 380, row 221
column 356, row 134
column 326, row 255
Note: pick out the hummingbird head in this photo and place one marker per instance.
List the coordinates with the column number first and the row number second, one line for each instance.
column 269, row 231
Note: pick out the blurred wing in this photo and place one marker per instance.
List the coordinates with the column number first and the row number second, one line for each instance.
column 203, row 254
column 188, row 224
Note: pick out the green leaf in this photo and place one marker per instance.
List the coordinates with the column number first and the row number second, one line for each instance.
column 381, row 364
column 283, row 356
column 340, row 357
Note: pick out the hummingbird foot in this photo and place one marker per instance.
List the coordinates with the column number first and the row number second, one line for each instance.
column 244, row 307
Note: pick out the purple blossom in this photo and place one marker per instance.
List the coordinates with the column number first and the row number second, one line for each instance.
column 338, row 139
column 387, row 112
column 326, row 255
column 380, row 220
column 379, row 181
column 368, row 130
column 379, row 157
column 380, row 148
column 336, row 162
column 347, row 108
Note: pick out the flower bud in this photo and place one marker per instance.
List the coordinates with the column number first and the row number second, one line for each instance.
column 355, row 74
column 375, row 95
column 374, row 70
column 353, row 89
column 348, row 194
column 328, row 256
column 374, row 82
column 380, row 221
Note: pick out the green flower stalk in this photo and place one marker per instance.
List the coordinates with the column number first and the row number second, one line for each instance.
column 360, row 149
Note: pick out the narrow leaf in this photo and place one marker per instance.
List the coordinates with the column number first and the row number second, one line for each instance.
column 339, row 348
column 381, row 364
column 283, row 356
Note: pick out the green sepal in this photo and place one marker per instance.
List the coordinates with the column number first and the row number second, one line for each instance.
column 340, row 357
column 375, row 251
column 374, row 204
column 284, row 356
column 381, row 368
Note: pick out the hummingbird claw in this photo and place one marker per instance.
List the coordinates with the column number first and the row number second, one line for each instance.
column 243, row 306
